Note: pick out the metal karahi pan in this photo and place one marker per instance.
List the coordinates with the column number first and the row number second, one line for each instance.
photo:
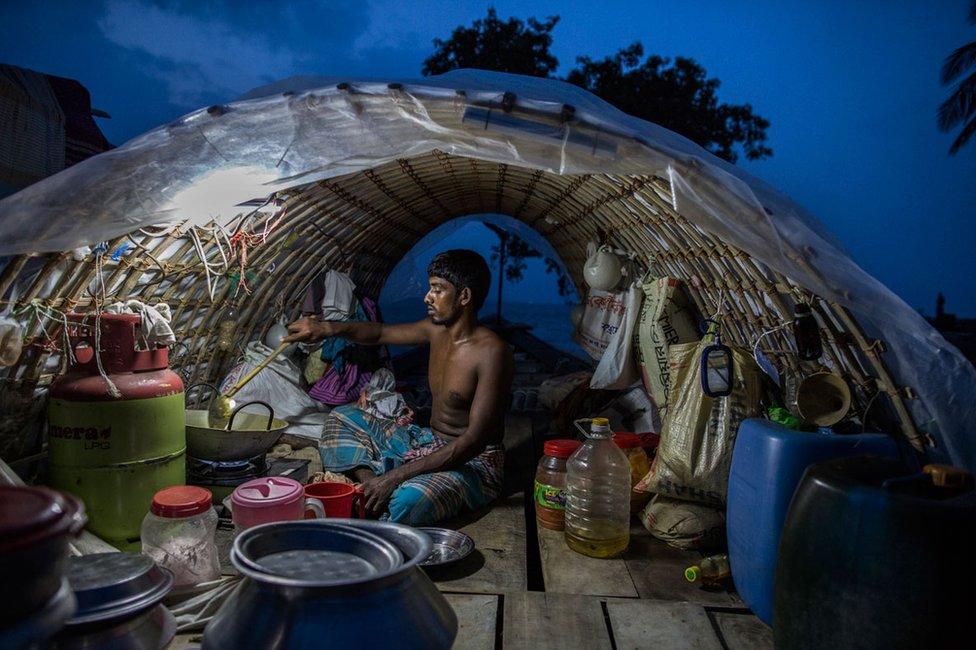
column 246, row 435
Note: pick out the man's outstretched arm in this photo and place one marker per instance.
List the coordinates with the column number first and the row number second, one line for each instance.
column 310, row 330
column 495, row 373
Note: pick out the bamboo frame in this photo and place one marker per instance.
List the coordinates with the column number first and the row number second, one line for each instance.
column 376, row 216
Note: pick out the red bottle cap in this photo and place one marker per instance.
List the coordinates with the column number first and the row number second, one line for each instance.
column 626, row 440
column 562, row 448
column 181, row 501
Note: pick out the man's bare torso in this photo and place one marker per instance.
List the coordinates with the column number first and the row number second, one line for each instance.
column 453, row 378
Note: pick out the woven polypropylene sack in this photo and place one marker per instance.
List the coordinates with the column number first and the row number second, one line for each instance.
column 667, row 317
column 683, row 524
column 698, row 432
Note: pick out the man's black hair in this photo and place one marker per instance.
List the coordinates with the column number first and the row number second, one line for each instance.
column 463, row 268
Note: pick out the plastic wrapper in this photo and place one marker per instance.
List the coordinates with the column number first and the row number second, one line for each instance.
column 618, row 366
column 698, row 432
column 305, row 129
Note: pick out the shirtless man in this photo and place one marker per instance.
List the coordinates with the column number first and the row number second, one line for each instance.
column 426, row 475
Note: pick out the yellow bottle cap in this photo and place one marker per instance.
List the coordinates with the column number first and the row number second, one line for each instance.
column 600, row 422
column 692, row 573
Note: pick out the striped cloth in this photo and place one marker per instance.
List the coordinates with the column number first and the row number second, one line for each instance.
column 351, row 438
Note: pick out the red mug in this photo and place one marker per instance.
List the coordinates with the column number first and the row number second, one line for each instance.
column 337, row 499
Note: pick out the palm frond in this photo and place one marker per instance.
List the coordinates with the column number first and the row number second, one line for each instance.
column 964, row 136
column 958, row 62
column 960, row 105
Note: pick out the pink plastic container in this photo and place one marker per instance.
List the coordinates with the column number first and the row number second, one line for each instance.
column 271, row 498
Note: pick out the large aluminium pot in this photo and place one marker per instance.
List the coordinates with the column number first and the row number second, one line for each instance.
column 398, row 608
column 36, row 525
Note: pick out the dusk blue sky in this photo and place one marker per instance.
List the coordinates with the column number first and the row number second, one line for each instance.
column 851, row 89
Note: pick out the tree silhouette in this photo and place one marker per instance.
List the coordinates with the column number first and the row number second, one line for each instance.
column 492, row 44
column 678, row 96
column 961, row 104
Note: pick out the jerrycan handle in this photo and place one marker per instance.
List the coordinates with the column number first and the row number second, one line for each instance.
column 585, row 430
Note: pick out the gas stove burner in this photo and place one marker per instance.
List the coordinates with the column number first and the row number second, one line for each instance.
column 211, row 470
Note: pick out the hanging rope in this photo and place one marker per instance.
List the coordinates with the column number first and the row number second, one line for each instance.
column 99, row 252
column 39, row 312
column 211, row 268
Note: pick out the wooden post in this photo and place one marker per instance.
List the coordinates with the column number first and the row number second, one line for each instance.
column 503, row 243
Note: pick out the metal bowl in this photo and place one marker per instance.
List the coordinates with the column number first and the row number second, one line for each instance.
column 450, row 546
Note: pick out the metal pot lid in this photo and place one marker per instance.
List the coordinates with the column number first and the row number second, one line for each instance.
column 113, row 585
column 313, row 553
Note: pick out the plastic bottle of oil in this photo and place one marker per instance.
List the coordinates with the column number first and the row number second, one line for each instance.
column 598, row 495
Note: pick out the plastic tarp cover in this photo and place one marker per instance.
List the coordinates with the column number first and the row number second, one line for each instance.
column 305, row 129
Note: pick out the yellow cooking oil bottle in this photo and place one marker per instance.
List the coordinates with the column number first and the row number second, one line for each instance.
column 598, row 494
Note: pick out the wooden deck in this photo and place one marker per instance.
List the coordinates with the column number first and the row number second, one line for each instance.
column 507, row 596
column 638, row 601
column 523, row 587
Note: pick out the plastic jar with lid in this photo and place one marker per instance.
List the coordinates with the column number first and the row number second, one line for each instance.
column 632, row 446
column 550, row 483
column 178, row 533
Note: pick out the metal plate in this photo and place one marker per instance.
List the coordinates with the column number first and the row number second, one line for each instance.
column 109, row 585
column 449, row 546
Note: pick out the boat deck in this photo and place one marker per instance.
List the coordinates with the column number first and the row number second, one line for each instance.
column 522, row 587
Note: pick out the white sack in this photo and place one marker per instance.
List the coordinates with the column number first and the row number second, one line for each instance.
column 278, row 384
column 617, row 367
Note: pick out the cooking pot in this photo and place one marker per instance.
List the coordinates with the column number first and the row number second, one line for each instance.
column 36, row 525
column 394, row 606
column 247, row 434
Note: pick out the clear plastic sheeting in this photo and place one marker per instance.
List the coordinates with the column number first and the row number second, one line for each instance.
column 304, row 129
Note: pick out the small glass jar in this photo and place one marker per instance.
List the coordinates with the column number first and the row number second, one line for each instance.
column 633, row 449
column 550, row 483
column 178, row 533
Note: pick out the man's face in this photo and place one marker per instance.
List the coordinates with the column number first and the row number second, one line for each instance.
column 443, row 302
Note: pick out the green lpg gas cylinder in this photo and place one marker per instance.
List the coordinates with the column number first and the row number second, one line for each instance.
column 115, row 449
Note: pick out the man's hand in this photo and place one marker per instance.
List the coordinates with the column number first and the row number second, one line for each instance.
column 377, row 492
column 306, row 330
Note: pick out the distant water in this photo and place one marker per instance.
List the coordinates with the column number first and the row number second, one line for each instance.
column 550, row 321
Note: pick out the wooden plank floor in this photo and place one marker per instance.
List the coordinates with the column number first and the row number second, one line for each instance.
column 649, row 569
column 640, row 600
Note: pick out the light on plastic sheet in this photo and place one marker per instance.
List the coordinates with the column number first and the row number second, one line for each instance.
column 216, row 194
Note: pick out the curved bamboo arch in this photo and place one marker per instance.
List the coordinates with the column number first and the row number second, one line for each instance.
column 372, row 219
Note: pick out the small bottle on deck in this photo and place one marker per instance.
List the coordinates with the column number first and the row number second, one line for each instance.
column 711, row 570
